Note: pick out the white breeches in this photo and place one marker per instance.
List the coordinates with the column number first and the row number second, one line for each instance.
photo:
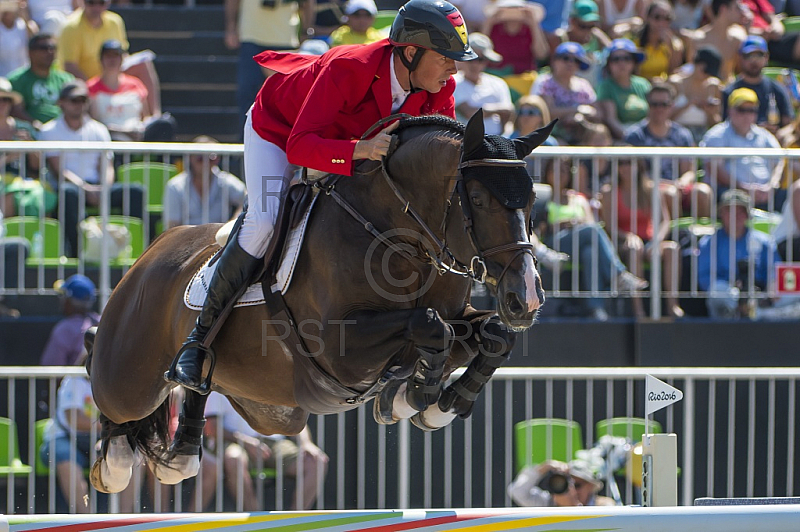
column 265, row 170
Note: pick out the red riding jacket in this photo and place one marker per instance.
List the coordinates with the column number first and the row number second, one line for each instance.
column 316, row 108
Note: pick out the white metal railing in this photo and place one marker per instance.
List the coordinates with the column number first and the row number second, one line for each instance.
column 40, row 281
column 735, row 427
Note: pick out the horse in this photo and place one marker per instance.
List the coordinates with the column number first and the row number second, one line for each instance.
column 380, row 291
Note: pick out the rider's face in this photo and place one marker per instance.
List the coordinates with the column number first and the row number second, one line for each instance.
column 433, row 71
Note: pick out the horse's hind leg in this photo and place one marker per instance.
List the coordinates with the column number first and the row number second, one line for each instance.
column 183, row 458
column 112, row 470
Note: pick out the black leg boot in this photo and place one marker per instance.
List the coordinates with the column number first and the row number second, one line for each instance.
column 234, row 269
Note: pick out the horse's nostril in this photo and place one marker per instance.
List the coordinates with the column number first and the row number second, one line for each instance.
column 514, row 305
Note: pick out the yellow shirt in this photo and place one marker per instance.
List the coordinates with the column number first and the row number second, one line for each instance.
column 80, row 42
column 345, row 35
column 274, row 27
column 656, row 61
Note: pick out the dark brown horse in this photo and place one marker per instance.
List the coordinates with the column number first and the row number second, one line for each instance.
column 380, row 297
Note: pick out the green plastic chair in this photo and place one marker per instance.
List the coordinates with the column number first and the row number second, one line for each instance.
column 384, row 19
column 41, row 468
column 50, row 229
column 763, row 221
column 625, row 427
column 791, row 24
column 532, row 436
column 153, row 176
column 8, row 441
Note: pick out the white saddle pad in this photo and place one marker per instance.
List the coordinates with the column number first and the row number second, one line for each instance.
column 195, row 293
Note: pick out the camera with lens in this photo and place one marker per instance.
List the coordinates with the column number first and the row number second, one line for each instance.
column 555, row 482
column 269, row 4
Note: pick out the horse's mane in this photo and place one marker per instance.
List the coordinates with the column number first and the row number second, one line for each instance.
column 422, row 132
column 437, row 121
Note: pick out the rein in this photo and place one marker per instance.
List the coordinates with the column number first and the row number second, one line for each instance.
column 442, row 257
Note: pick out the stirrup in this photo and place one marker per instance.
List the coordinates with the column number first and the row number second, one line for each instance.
column 205, row 386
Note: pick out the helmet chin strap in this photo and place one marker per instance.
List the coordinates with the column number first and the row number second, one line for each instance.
column 411, row 65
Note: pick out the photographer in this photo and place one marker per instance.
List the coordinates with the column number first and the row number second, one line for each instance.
column 555, row 483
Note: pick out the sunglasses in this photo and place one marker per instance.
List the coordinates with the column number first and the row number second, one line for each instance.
column 79, row 99
column 569, row 59
column 585, row 27
column 621, row 58
column 746, row 110
column 530, row 111
column 660, row 104
column 44, row 48
column 94, row 2
column 659, row 17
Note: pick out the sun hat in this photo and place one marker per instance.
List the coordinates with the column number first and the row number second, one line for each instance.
column 7, row 91
column 482, row 45
column 361, row 5
column 625, row 45
column 742, row 95
column 575, row 50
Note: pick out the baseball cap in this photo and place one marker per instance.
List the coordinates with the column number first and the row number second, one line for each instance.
column 111, row 45
column 734, row 197
column 742, row 95
column 73, row 89
column 359, row 5
column 586, row 11
column 753, row 43
column 77, row 287
column 575, row 50
column 482, row 45
column 625, row 45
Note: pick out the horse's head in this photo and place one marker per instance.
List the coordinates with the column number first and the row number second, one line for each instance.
column 497, row 196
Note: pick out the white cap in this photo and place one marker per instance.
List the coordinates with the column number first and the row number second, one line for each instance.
column 357, row 5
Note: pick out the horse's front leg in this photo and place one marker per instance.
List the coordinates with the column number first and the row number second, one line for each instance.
column 183, row 458
column 493, row 343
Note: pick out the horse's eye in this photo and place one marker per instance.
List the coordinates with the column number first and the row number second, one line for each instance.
column 477, row 201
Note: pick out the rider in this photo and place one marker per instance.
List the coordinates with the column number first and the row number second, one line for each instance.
column 311, row 113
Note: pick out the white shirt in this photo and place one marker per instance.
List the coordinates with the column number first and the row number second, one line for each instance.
column 74, row 393
column 184, row 205
column 83, row 164
column 38, row 9
column 490, row 91
column 13, row 47
column 399, row 95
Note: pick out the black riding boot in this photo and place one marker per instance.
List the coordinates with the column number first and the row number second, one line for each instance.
column 234, row 269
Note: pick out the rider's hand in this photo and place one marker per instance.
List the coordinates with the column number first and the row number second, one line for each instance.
column 376, row 147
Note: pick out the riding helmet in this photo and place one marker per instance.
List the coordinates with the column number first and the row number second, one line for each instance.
column 433, row 25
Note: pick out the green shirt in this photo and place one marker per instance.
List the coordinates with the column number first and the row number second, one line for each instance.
column 40, row 95
column 631, row 102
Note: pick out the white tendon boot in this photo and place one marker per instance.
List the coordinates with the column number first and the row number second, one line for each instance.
column 113, row 473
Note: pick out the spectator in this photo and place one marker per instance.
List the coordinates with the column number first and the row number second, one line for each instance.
column 583, row 29
column 699, row 93
column 732, row 267
column 624, row 12
column 13, row 164
column 514, row 27
column 51, row 15
column 203, row 193
column 663, row 50
column 783, row 47
column 76, row 413
column 65, row 345
column 554, row 483
column 564, row 92
column 82, row 174
column 40, row 84
column 571, row 227
column 629, row 208
column 595, row 136
column 658, row 131
column 15, row 31
column 787, row 233
column 754, row 174
column 13, row 251
column 475, row 89
column 622, row 96
column 82, row 38
column 688, row 14
column 329, row 17
column 358, row 27
column 724, row 34
column 119, row 101
column 253, row 26
column 775, row 108
column 532, row 113
column 244, row 448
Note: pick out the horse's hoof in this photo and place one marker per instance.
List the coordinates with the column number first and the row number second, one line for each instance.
column 384, row 403
column 432, row 419
column 105, row 482
column 179, row 469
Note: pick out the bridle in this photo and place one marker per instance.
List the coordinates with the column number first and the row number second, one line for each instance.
column 441, row 257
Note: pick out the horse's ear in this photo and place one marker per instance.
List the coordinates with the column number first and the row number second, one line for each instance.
column 525, row 145
column 473, row 136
